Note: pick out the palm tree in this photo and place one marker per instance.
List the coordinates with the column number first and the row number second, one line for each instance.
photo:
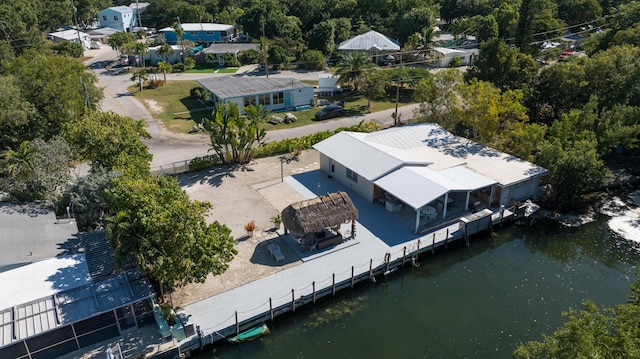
column 177, row 28
column 19, row 163
column 422, row 46
column 165, row 50
column 351, row 66
column 165, row 67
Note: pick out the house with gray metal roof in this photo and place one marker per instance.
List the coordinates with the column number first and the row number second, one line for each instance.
column 66, row 292
column 121, row 18
column 276, row 94
column 428, row 169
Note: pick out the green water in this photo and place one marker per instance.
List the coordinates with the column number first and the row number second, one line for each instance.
column 475, row 302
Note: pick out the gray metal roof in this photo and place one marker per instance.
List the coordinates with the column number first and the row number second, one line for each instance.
column 234, row 86
column 371, row 40
column 30, row 232
column 231, row 48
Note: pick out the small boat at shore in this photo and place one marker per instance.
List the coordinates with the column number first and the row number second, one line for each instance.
column 251, row 334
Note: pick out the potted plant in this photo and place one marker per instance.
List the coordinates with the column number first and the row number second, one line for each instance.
column 277, row 220
column 250, row 227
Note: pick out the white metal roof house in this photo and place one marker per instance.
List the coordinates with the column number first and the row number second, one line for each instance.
column 465, row 56
column 424, row 166
column 153, row 57
column 121, row 18
column 373, row 42
column 276, row 94
column 72, row 36
column 67, row 293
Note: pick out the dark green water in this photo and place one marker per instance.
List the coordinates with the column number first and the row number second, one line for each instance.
column 476, row 302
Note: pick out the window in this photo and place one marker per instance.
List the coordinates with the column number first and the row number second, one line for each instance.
column 264, row 99
column 278, row 98
column 104, row 17
column 209, row 32
column 249, row 100
column 194, row 33
column 115, row 17
column 352, row 175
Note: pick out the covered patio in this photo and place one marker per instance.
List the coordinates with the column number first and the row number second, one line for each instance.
column 431, row 194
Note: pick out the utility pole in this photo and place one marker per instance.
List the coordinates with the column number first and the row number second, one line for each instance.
column 138, row 14
column 396, row 115
column 87, row 102
column 265, row 55
column 75, row 16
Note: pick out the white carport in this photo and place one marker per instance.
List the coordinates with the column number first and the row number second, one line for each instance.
column 419, row 186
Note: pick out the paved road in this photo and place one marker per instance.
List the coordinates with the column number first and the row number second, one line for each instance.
column 168, row 147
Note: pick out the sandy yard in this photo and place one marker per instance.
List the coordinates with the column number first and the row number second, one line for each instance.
column 252, row 192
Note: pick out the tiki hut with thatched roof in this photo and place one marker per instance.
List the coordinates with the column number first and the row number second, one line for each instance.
column 310, row 218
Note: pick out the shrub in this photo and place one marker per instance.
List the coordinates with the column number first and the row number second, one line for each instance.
column 455, row 62
column 189, row 63
column 152, row 84
column 200, row 163
column 179, row 67
column 196, row 91
column 249, row 57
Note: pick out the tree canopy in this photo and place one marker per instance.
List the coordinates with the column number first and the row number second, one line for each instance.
column 166, row 234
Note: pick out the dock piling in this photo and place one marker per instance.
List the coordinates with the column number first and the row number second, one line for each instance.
column 404, row 254
column 293, row 301
column 271, row 308
column 433, row 243
column 334, row 284
column 313, row 284
column 352, row 276
column 237, row 324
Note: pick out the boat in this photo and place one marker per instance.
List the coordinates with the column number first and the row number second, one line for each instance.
column 251, row 334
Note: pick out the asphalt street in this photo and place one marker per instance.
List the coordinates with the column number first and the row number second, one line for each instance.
column 168, row 147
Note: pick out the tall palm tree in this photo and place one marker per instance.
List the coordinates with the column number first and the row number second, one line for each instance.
column 165, row 67
column 351, row 66
column 165, row 50
column 422, row 45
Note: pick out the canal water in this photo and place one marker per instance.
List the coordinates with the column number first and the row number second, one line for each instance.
column 475, row 302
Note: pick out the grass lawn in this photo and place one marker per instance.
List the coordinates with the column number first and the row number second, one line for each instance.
column 178, row 111
column 209, row 69
column 173, row 105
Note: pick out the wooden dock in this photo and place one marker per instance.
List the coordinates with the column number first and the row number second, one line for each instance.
column 226, row 314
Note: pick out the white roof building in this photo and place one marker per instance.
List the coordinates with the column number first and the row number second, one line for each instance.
column 424, row 165
column 369, row 41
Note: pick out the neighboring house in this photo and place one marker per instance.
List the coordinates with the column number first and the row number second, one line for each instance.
column 153, row 58
column 450, row 40
column 424, row 166
column 121, row 18
column 102, row 34
column 219, row 50
column 465, row 56
column 201, row 33
column 72, row 36
column 276, row 94
column 373, row 42
column 67, row 294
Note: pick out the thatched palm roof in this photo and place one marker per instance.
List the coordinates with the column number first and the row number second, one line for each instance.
column 314, row 215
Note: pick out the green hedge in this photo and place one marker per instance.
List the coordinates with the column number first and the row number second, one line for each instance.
column 290, row 145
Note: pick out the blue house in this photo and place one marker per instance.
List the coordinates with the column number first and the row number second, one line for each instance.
column 201, row 33
column 121, row 18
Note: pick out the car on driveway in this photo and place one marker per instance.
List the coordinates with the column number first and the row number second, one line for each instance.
column 330, row 111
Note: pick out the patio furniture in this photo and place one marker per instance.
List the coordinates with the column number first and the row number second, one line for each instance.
column 276, row 253
column 429, row 213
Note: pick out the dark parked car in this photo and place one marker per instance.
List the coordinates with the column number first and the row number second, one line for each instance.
column 330, row 112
